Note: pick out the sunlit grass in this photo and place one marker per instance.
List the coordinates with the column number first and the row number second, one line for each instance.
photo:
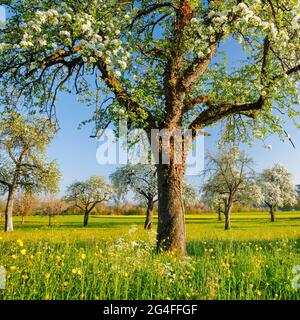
column 114, row 259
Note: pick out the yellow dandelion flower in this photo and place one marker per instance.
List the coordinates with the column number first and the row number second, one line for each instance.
column 65, row 283
column 211, row 250
column 251, row 285
column 20, row 243
column 25, row 277
column 181, row 278
column 258, row 293
column 126, row 275
column 23, row 252
column 83, row 256
column 13, row 268
column 74, row 271
column 79, row 272
column 14, row 256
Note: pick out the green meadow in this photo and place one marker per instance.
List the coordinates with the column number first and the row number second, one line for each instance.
column 114, row 258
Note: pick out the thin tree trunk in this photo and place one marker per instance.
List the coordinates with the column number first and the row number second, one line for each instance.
column 9, row 227
column 23, row 220
column 272, row 212
column 149, row 215
column 50, row 220
column 86, row 219
column 227, row 221
column 227, row 214
column 219, row 214
column 171, row 225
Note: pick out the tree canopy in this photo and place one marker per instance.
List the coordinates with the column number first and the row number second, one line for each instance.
column 278, row 187
column 23, row 161
column 162, row 61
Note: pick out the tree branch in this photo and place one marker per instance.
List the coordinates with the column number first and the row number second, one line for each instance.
column 218, row 112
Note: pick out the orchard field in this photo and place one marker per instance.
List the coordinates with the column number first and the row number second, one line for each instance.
column 114, row 259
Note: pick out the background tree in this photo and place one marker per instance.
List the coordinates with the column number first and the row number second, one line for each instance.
column 2, row 209
column 162, row 65
column 86, row 195
column 142, row 181
column 231, row 179
column 190, row 195
column 214, row 201
column 25, row 204
column 23, row 163
column 51, row 207
column 278, row 188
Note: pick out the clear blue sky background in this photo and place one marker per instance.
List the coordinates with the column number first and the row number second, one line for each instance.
column 75, row 152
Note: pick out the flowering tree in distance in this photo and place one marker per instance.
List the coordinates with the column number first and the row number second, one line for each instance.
column 142, row 180
column 278, row 187
column 164, row 66
column 231, row 180
column 23, row 162
column 25, row 204
column 88, row 194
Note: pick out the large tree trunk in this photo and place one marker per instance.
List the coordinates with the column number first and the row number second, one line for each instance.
column 149, row 215
column 86, row 219
column 272, row 213
column 171, row 225
column 9, row 227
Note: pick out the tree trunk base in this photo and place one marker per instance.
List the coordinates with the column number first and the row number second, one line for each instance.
column 171, row 225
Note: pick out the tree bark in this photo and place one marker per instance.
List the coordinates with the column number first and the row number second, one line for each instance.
column 9, row 227
column 227, row 221
column 272, row 213
column 219, row 214
column 171, row 225
column 227, row 214
column 86, row 219
column 149, row 215
column 23, row 220
column 49, row 221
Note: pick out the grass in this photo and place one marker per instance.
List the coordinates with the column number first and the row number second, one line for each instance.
column 114, row 259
